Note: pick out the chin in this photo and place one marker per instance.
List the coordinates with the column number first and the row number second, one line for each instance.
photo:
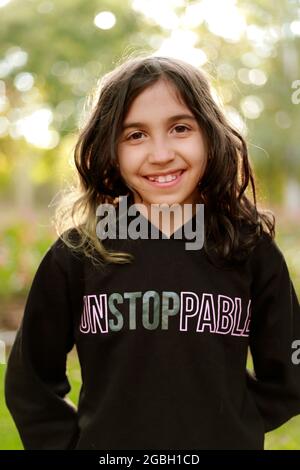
column 170, row 202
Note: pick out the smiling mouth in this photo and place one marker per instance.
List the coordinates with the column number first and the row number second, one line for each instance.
column 167, row 178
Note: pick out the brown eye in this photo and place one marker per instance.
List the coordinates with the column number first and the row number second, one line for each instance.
column 134, row 136
column 181, row 126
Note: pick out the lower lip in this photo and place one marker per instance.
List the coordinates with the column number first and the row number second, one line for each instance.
column 167, row 184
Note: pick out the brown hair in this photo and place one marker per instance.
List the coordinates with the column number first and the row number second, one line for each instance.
column 233, row 223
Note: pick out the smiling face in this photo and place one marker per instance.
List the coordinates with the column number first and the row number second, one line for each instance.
column 162, row 153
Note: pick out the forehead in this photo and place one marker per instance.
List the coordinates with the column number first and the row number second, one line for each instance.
column 161, row 97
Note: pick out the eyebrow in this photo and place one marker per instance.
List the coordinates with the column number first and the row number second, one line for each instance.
column 176, row 117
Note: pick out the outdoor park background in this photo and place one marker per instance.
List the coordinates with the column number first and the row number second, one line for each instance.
column 51, row 55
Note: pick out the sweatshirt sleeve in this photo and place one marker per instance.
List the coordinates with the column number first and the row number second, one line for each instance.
column 275, row 325
column 35, row 380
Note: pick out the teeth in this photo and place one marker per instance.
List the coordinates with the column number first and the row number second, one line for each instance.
column 163, row 179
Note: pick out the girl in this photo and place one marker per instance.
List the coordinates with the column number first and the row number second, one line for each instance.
column 162, row 332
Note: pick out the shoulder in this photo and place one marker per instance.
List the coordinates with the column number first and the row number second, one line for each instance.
column 65, row 239
column 267, row 260
column 62, row 249
column 266, row 248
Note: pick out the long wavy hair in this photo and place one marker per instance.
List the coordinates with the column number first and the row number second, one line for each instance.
column 233, row 224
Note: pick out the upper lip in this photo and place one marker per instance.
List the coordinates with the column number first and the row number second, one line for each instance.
column 165, row 173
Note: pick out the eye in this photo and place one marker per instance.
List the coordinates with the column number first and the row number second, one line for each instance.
column 182, row 128
column 134, row 136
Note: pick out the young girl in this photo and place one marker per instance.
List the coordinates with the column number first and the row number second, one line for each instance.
column 162, row 332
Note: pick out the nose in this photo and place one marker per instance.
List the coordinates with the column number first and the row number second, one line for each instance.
column 160, row 151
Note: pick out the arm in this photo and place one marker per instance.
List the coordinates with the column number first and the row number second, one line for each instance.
column 36, row 381
column 275, row 325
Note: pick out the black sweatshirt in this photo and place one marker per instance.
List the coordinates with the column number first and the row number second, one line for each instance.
column 162, row 345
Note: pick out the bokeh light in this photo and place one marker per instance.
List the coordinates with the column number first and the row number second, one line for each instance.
column 105, row 20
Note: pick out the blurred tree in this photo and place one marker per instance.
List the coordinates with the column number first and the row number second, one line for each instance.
column 51, row 56
column 53, row 52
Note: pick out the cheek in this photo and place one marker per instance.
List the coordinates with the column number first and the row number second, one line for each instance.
column 198, row 157
column 127, row 165
column 129, row 160
column 202, row 152
column 123, row 159
column 195, row 148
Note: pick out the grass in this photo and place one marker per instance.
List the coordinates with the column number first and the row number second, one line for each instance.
column 9, row 437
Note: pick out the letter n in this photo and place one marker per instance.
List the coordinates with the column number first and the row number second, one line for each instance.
column 97, row 307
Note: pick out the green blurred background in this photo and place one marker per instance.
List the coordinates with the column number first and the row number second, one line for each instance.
column 52, row 53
